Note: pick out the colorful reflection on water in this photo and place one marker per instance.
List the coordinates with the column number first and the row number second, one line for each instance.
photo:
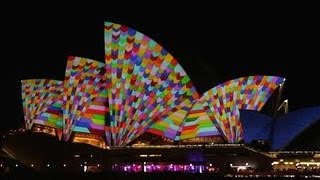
column 149, row 167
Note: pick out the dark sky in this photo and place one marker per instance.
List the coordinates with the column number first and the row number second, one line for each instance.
column 213, row 45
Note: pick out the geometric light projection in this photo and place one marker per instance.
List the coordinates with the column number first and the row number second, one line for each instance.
column 84, row 80
column 90, row 128
column 52, row 116
column 197, row 124
column 254, row 91
column 223, row 102
column 140, row 88
column 169, row 125
column 145, row 82
column 93, row 119
column 220, row 105
column 37, row 96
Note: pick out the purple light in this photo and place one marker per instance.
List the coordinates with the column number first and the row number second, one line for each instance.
column 162, row 167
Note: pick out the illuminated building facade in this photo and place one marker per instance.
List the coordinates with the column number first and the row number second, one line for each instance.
column 141, row 88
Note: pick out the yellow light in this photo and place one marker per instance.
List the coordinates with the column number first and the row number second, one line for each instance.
column 155, row 155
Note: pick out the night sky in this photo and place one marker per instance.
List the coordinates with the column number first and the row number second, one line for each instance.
column 213, row 46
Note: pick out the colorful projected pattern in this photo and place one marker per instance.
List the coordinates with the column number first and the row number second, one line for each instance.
column 93, row 119
column 52, row 117
column 37, row 95
column 143, row 88
column 146, row 82
column 220, row 104
column 197, row 124
column 170, row 124
column 254, row 91
column 84, row 80
column 223, row 102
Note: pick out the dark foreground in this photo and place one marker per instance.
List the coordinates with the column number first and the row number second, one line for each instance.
column 165, row 176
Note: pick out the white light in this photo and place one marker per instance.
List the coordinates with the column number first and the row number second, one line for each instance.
column 17, row 165
column 64, row 165
column 1, row 165
column 76, row 155
column 48, row 165
column 211, row 164
column 143, row 155
column 31, row 165
column 309, row 163
column 98, row 165
column 81, row 165
column 144, row 167
column 231, row 165
column 85, row 162
column 91, row 155
column 247, row 164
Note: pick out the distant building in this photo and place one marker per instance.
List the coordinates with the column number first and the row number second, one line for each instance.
column 141, row 90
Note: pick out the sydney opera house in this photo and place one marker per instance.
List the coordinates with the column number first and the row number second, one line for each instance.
column 142, row 97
